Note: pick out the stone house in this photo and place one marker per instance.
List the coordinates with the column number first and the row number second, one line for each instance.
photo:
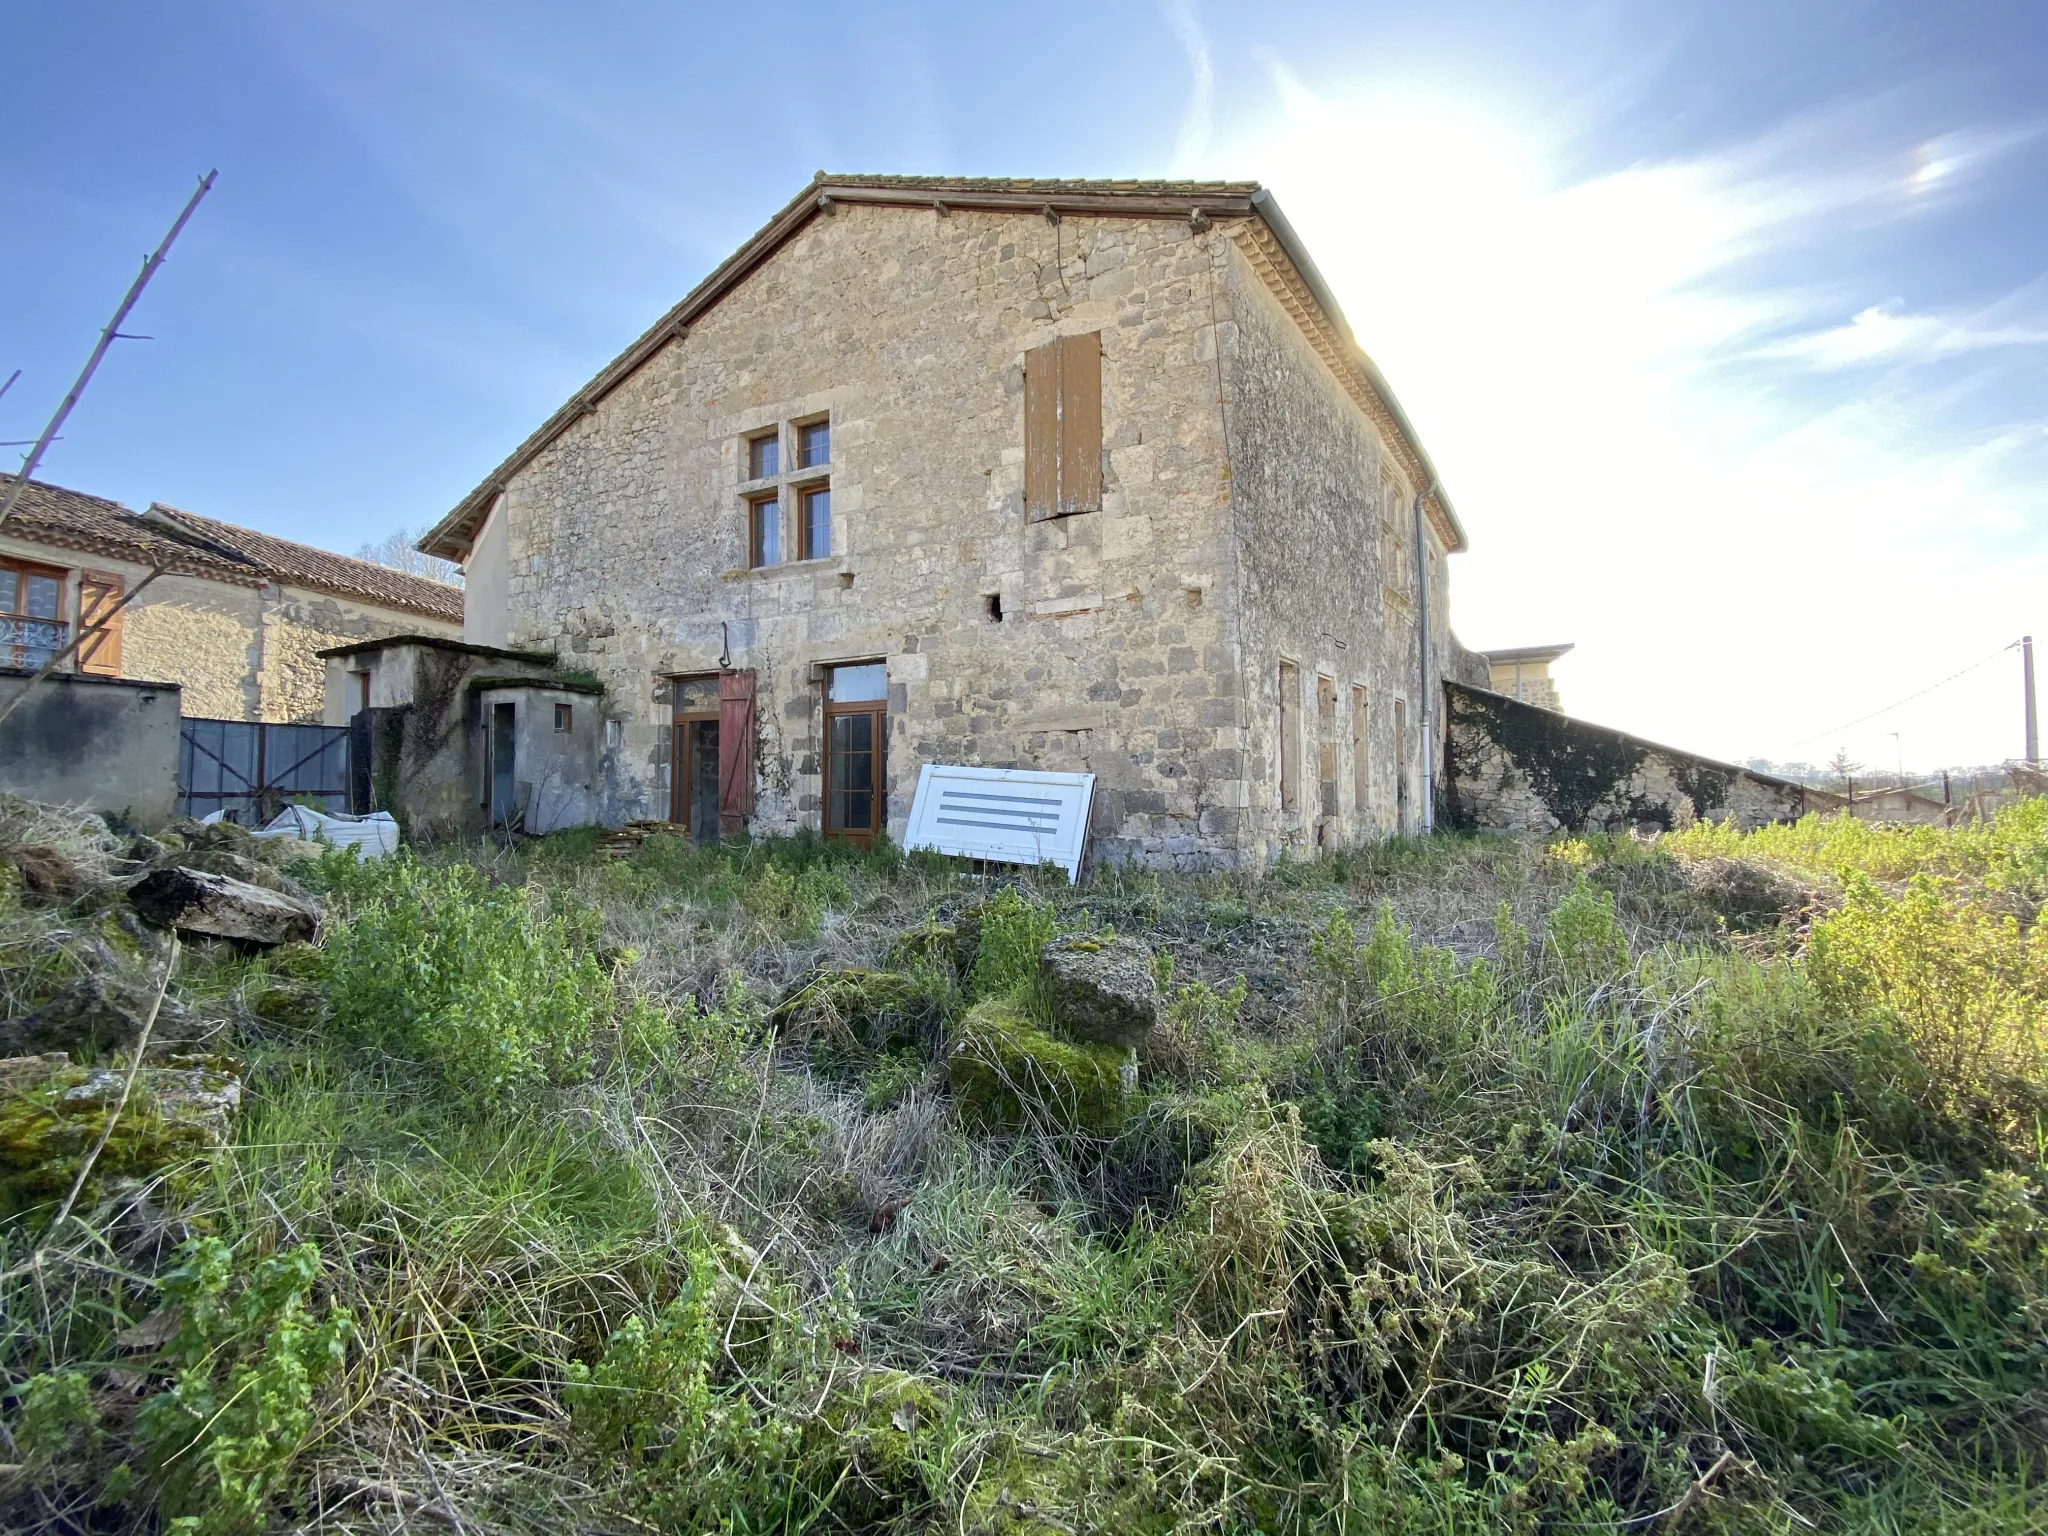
column 1041, row 474
column 237, row 618
column 1523, row 673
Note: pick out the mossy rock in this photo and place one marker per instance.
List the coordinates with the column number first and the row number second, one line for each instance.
column 878, row 1009
column 930, row 945
column 1008, row 1074
column 864, row 1442
column 51, row 1113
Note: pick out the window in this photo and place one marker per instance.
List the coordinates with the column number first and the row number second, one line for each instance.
column 856, row 751
column 1361, row 774
column 360, row 687
column 1063, row 427
column 803, row 489
column 1401, row 764
column 565, row 715
column 32, row 627
column 764, row 531
column 1290, row 736
column 817, row 522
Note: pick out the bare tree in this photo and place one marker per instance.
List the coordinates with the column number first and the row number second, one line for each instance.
column 396, row 550
column 1844, row 771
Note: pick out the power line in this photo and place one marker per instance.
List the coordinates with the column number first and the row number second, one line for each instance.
column 1909, row 698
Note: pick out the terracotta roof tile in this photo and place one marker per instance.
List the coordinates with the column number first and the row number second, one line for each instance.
column 202, row 546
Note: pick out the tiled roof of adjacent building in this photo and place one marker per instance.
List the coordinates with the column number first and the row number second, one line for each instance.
column 452, row 536
column 192, row 545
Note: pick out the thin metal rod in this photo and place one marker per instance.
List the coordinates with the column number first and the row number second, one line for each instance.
column 10, row 381
column 2033, row 724
column 107, row 337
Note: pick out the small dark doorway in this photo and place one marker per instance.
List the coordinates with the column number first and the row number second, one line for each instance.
column 856, row 752
column 504, row 801
column 693, row 780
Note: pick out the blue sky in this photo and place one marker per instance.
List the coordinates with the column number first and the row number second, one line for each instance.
column 1725, row 322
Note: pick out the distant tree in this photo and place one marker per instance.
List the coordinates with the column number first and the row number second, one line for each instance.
column 396, row 550
column 1844, row 771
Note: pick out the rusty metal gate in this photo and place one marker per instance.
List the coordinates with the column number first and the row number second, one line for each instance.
column 251, row 770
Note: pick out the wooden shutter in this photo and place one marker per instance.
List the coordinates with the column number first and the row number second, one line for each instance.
column 1042, row 432
column 98, row 592
column 1063, row 427
column 1081, row 423
column 735, row 751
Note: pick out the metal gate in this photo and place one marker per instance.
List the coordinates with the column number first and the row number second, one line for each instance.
column 251, row 770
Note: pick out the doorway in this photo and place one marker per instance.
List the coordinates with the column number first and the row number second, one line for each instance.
column 856, row 752
column 693, row 760
column 504, row 730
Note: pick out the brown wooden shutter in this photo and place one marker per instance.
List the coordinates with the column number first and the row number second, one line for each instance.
column 735, row 751
column 1042, row 432
column 98, row 592
column 1081, row 423
column 1063, row 427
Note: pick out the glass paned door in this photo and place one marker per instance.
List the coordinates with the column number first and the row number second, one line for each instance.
column 855, row 792
column 695, row 807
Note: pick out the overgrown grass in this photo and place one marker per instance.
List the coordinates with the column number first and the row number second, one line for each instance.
column 1468, row 1185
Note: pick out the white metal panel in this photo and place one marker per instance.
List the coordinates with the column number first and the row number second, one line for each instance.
column 1010, row 815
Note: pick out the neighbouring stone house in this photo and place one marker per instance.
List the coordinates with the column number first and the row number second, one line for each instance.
column 236, row 618
column 1524, row 673
column 1043, row 474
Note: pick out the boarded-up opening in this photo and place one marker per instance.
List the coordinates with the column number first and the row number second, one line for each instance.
column 1063, row 427
column 1326, row 745
column 99, row 596
column 1290, row 736
column 1361, row 775
column 1401, row 764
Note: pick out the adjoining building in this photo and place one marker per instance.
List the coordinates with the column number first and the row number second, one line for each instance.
column 236, row 618
column 1523, row 674
column 1041, row 474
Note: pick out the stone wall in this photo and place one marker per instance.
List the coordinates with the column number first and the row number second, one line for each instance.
column 100, row 742
column 626, row 538
column 1518, row 767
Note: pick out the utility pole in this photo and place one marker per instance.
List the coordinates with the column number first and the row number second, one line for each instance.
column 2027, row 682
column 108, row 337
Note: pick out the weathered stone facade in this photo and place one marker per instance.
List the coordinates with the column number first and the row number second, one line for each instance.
column 1519, row 767
column 1256, row 508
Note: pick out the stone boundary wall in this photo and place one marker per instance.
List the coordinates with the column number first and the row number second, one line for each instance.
column 105, row 743
column 1516, row 767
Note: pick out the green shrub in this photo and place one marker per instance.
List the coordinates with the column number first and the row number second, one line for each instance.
column 247, row 1357
column 437, row 965
column 1011, row 932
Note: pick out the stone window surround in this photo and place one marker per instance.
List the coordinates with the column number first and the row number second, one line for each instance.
column 786, row 486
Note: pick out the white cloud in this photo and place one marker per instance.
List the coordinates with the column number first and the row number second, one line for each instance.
column 1197, row 122
column 1617, row 407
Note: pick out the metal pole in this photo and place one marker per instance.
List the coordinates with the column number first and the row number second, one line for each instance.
column 2033, row 726
column 107, row 338
column 1428, row 714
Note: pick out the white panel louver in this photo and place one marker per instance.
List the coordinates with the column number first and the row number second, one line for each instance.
column 1009, row 815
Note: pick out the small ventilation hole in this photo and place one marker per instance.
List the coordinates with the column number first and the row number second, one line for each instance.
column 994, row 600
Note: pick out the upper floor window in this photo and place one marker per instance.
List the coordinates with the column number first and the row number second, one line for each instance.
column 32, row 627
column 801, row 490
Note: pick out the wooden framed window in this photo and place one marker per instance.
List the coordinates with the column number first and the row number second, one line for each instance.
column 856, row 752
column 359, row 683
column 764, row 531
column 1290, row 736
column 764, row 456
column 1063, row 427
column 99, row 620
column 693, row 760
column 565, row 718
column 815, row 504
column 813, row 444
column 32, row 627
column 1361, row 775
